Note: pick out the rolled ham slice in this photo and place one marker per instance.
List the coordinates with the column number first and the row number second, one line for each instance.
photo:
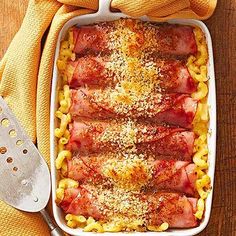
column 177, row 176
column 94, row 136
column 163, row 39
column 173, row 75
column 89, row 70
column 175, row 209
column 176, row 39
column 80, row 201
column 89, row 39
column 175, row 109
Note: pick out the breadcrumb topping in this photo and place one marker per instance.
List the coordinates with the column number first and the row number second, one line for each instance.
column 119, row 203
column 131, row 172
column 125, row 134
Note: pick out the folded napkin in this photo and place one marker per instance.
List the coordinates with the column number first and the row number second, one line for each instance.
column 26, row 72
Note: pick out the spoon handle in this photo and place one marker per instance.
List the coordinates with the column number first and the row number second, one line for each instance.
column 55, row 230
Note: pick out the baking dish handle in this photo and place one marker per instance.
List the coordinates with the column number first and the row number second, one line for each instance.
column 104, row 7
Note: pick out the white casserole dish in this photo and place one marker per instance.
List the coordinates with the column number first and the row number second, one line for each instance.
column 104, row 14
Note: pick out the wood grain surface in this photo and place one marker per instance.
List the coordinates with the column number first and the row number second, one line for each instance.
column 222, row 26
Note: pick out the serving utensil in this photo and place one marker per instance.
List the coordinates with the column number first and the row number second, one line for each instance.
column 24, row 175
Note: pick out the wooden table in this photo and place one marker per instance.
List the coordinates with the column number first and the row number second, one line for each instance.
column 222, row 26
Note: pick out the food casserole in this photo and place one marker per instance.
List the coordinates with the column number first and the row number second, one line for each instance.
column 98, row 17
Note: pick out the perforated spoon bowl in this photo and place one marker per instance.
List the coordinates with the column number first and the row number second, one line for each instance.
column 24, row 175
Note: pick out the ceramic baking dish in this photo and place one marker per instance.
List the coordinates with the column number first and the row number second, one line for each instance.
column 104, row 14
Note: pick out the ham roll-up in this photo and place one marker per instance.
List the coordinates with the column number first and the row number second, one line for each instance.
column 163, row 39
column 175, row 209
column 177, row 176
column 174, row 109
column 95, row 137
column 170, row 75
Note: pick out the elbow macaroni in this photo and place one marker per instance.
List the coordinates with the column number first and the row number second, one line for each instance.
column 64, row 184
column 62, row 132
column 68, row 183
column 198, row 69
column 64, row 154
column 65, row 100
column 163, row 227
column 89, row 224
column 75, row 221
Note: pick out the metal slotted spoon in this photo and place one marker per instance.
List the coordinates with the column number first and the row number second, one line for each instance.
column 24, row 176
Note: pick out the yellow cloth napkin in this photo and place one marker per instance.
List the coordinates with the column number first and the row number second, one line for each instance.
column 167, row 9
column 25, row 74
